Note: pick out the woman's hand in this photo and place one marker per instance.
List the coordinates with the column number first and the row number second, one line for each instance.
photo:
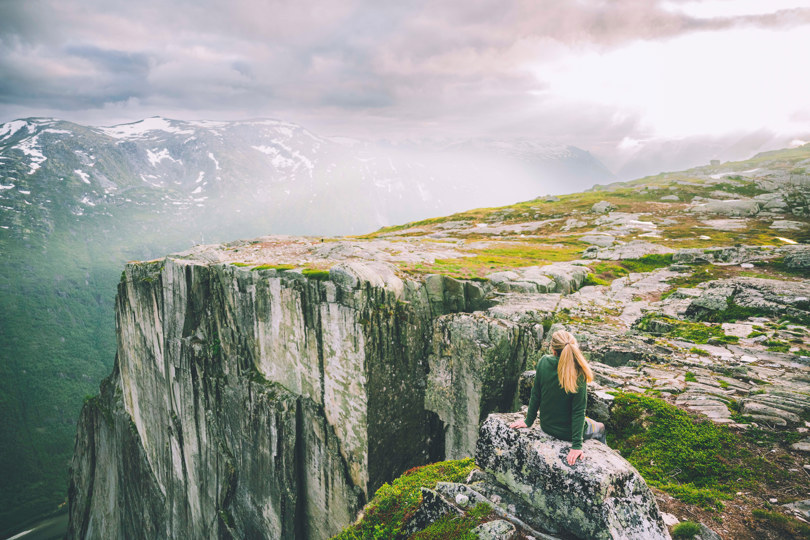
column 518, row 424
column 574, row 455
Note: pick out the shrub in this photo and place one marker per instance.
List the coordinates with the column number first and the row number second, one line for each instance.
column 686, row 529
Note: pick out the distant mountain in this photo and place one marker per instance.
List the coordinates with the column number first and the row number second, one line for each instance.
column 288, row 178
column 76, row 202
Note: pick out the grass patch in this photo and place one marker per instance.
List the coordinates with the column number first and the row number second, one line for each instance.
column 690, row 377
column 776, row 345
column 647, row 263
column 591, row 279
column 698, row 351
column 783, row 523
column 280, row 267
column 315, row 273
column 694, row 460
column 685, row 530
column 395, row 503
column 695, row 332
column 500, row 257
column 605, row 272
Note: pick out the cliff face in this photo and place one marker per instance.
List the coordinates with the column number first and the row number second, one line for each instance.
column 270, row 404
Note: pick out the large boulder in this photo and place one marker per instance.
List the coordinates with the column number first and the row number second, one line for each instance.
column 601, row 497
column 602, row 207
column 735, row 207
column 799, row 258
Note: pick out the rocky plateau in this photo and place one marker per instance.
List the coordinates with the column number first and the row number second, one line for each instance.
column 269, row 387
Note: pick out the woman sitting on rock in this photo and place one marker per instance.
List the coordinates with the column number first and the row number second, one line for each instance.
column 560, row 392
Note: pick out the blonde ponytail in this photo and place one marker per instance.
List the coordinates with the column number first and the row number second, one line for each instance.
column 571, row 363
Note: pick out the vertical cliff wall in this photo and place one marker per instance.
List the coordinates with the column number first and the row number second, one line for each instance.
column 271, row 403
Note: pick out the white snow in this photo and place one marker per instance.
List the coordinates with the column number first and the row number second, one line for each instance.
column 281, row 162
column 10, row 186
column 86, row 200
column 25, row 192
column 208, row 123
column 10, row 128
column 83, row 175
column 199, row 189
column 786, row 240
column 269, row 150
column 57, row 131
column 216, row 163
column 29, row 148
column 156, row 157
column 140, row 129
column 200, row 177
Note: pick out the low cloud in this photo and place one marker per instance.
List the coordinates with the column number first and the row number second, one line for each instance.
column 363, row 68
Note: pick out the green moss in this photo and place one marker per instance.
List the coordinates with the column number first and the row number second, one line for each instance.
column 686, row 529
column 606, row 272
column 647, row 263
column 240, row 264
column 450, row 527
column 694, row 460
column 776, row 345
column 783, row 523
column 280, row 267
column 315, row 273
column 395, row 503
column 591, row 279
column 698, row 351
column 689, row 377
column 656, row 323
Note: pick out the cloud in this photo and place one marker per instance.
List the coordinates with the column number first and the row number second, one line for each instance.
column 585, row 72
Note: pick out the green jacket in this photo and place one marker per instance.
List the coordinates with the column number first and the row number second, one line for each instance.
column 562, row 415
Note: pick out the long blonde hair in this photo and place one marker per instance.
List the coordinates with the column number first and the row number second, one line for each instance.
column 572, row 363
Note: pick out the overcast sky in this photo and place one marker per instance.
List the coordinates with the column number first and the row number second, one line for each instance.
column 663, row 83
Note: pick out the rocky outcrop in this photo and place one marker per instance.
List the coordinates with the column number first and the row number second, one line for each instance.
column 741, row 254
column 271, row 403
column 631, row 250
column 734, row 207
column 602, row 496
column 602, row 207
column 751, row 297
column 473, row 370
column 553, row 278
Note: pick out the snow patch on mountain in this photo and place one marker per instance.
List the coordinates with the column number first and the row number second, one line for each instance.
column 8, row 129
column 142, row 128
column 156, row 157
column 83, row 175
column 30, row 147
